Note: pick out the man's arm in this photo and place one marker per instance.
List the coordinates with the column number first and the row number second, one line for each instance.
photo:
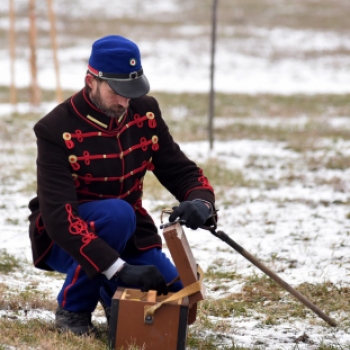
column 59, row 207
column 183, row 178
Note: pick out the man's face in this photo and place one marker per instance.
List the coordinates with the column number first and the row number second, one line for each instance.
column 107, row 100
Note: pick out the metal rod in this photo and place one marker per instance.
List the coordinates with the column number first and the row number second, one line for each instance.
column 224, row 237
column 212, row 72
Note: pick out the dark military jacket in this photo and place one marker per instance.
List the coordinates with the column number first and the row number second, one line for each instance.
column 84, row 155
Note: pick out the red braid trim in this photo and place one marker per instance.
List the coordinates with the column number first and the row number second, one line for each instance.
column 86, row 191
column 79, row 227
column 43, row 255
column 199, row 188
column 75, row 278
column 38, row 225
column 138, row 206
column 150, row 247
column 144, row 143
column 88, row 177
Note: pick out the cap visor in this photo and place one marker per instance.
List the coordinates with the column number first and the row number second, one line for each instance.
column 130, row 88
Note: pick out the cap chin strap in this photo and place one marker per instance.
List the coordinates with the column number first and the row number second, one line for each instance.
column 118, row 77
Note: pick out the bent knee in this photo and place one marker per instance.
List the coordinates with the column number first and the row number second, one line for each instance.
column 121, row 213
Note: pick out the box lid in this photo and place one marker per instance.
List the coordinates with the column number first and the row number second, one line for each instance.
column 183, row 258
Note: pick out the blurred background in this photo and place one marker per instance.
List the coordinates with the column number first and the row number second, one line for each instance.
column 280, row 164
column 263, row 46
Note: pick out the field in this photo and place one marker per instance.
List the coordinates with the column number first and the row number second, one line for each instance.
column 279, row 165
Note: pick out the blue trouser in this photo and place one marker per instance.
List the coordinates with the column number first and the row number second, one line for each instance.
column 114, row 221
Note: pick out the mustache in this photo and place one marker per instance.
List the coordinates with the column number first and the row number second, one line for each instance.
column 112, row 111
column 115, row 112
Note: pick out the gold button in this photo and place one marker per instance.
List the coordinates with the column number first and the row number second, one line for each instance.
column 67, row 136
column 75, row 176
column 155, row 139
column 72, row 159
column 150, row 115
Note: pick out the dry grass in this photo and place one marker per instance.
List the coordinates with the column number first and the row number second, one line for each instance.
column 259, row 299
column 264, row 300
column 39, row 334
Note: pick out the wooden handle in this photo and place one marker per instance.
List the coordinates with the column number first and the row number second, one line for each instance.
column 224, row 237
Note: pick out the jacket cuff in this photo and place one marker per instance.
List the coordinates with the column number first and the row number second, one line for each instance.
column 114, row 268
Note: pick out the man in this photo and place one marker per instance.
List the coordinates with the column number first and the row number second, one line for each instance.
column 87, row 220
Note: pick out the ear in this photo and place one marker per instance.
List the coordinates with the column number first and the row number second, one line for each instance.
column 89, row 80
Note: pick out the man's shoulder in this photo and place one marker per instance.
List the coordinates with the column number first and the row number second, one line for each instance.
column 146, row 101
column 55, row 121
column 56, row 116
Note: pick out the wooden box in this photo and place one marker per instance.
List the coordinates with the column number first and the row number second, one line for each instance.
column 127, row 326
column 147, row 321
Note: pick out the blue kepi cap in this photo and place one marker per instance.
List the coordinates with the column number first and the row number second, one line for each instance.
column 118, row 61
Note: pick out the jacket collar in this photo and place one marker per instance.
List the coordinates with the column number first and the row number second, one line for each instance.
column 85, row 109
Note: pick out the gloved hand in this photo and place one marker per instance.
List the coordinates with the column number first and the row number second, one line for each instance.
column 146, row 276
column 195, row 213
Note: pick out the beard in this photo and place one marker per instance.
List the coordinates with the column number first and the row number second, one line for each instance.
column 112, row 111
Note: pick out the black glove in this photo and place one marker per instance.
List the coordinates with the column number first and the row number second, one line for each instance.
column 145, row 276
column 195, row 213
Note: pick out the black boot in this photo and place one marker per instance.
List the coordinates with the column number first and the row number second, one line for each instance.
column 78, row 323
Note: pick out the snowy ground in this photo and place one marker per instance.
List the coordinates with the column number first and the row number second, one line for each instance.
column 299, row 225
column 299, row 228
